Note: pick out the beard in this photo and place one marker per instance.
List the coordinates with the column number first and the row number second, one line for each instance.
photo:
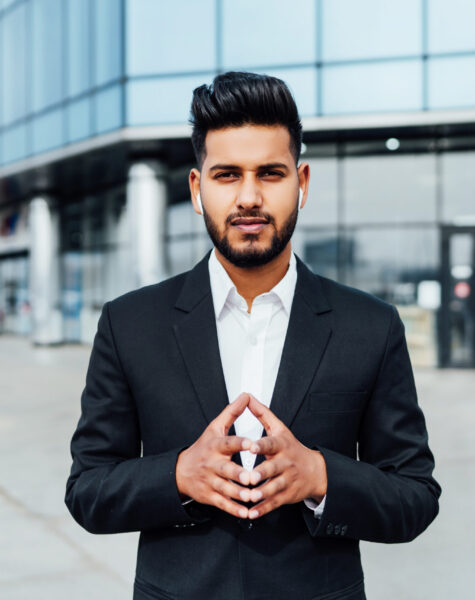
column 252, row 256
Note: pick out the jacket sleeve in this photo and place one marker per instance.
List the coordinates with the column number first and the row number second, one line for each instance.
column 389, row 494
column 111, row 487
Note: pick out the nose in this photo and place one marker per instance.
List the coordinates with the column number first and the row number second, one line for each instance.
column 249, row 196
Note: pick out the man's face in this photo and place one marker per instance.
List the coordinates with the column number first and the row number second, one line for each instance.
column 249, row 189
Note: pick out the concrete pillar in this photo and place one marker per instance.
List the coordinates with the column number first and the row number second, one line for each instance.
column 44, row 272
column 146, row 208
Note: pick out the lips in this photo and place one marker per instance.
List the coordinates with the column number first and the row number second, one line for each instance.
column 249, row 224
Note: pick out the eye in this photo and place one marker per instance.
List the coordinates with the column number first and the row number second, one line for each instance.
column 226, row 175
column 271, row 174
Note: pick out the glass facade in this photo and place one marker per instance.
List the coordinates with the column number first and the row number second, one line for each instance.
column 90, row 67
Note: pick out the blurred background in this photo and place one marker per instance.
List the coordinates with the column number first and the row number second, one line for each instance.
column 94, row 156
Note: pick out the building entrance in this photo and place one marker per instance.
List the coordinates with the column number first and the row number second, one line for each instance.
column 457, row 325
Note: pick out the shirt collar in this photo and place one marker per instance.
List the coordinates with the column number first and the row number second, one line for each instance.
column 222, row 285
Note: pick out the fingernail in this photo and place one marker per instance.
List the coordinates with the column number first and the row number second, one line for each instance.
column 255, row 477
column 246, row 444
column 244, row 477
column 244, row 495
column 253, row 514
column 254, row 448
column 243, row 513
column 256, row 495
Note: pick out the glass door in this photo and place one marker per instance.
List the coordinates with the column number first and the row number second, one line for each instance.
column 457, row 326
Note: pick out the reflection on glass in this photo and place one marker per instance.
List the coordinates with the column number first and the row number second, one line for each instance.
column 371, row 28
column 13, row 65
column 161, row 40
column 392, row 188
column 78, row 45
column 458, row 185
column 277, row 32
column 451, row 82
column 107, row 40
column 47, row 54
column 450, row 25
column 321, row 252
column 370, row 87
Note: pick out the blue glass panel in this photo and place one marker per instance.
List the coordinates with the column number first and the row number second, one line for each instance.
column 268, row 32
column 79, row 46
column 161, row 39
column 303, row 85
column 386, row 86
column 13, row 87
column 14, row 145
column 450, row 25
column 79, row 120
column 452, row 82
column 47, row 131
column 370, row 28
column 107, row 40
column 46, row 53
column 109, row 109
column 164, row 100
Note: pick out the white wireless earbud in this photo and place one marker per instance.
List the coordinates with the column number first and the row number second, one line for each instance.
column 300, row 198
column 198, row 199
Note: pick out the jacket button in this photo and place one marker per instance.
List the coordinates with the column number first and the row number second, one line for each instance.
column 330, row 528
column 344, row 529
column 336, row 531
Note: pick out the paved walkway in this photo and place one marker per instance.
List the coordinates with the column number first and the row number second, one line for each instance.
column 46, row 555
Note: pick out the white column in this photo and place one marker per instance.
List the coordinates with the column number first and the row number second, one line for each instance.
column 44, row 272
column 146, row 208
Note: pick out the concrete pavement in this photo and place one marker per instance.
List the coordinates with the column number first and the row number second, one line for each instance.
column 46, row 555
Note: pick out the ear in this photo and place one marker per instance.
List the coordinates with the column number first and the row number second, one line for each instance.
column 303, row 172
column 194, row 183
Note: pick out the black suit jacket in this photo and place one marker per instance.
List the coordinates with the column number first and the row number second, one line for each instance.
column 345, row 387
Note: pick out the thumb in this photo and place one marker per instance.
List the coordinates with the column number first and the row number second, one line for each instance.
column 227, row 417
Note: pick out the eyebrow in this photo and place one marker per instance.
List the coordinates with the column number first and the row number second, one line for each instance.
column 260, row 167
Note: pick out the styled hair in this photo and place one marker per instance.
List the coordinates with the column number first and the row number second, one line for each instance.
column 240, row 98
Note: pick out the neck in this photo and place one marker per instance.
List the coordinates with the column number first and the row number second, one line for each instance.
column 252, row 281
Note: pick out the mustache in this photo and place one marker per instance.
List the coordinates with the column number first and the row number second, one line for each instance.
column 248, row 215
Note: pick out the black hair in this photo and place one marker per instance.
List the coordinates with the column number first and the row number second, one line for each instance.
column 239, row 98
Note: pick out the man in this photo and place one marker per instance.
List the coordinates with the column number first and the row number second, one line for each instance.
column 252, row 419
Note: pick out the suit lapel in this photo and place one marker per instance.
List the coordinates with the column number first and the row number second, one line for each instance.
column 307, row 337
column 197, row 339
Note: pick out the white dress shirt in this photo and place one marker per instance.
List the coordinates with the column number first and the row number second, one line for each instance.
column 250, row 345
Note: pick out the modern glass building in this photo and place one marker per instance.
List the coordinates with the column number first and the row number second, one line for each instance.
column 95, row 151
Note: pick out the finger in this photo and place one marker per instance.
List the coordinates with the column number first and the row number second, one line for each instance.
column 267, row 445
column 230, row 470
column 266, row 506
column 270, row 488
column 266, row 470
column 233, row 508
column 227, row 417
column 230, row 444
column 230, row 490
column 271, row 423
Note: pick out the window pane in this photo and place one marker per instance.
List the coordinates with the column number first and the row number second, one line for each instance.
column 47, row 131
column 321, row 206
column 390, row 189
column 371, row 28
column 13, row 88
column 303, row 85
column 268, row 32
column 372, row 87
column 79, row 120
column 320, row 252
column 161, row 40
column 109, row 109
column 46, row 53
column 14, row 144
column 164, row 100
column 79, row 45
column 107, row 40
column 451, row 25
column 458, row 185
column 452, row 82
